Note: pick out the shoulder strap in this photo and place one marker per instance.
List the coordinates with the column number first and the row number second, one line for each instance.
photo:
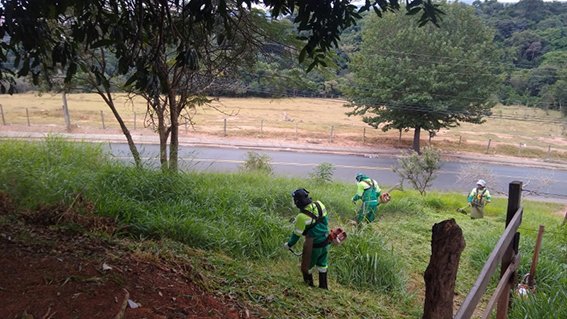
column 370, row 184
column 310, row 214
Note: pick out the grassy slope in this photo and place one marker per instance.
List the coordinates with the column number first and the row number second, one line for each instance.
column 231, row 227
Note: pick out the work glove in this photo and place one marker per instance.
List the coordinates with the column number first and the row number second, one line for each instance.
column 286, row 246
column 470, row 204
column 355, row 198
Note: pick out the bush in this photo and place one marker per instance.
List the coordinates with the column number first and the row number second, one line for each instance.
column 323, row 173
column 418, row 169
column 256, row 162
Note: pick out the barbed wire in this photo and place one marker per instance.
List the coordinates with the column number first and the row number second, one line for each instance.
column 543, row 194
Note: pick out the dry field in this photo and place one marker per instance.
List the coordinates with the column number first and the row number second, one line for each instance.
column 512, row 130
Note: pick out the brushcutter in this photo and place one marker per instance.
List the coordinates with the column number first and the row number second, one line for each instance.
column 384, row 198
column 462, row 210
column 295, row 252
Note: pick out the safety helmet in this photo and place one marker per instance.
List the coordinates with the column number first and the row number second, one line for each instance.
column 481, row 182
column 359, row 177
column 301, row 197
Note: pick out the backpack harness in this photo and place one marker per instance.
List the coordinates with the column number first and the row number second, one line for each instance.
column 336, row 236
column 370, row 185
column 477, row 199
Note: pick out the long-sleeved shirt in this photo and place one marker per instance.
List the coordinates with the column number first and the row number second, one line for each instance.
column 479, row 197
column 318, row 230
column 367, row 190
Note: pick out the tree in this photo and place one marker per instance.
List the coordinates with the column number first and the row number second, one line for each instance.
column 424, row 78
column 170, row 49
column 419, row 169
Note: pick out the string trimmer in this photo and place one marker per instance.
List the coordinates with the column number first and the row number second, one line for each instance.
column 462, row 210
column 294, row 252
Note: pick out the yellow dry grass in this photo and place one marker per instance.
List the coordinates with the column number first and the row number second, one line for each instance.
column 512, row 130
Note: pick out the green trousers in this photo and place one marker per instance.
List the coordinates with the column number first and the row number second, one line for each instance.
column 314, row 257
column 367, row 212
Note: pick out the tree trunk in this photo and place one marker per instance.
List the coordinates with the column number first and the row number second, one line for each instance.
column 66, row 111
column 447, row 243
column 174, row 142
column 416, row 139
column 107, row 97
column 162, row 131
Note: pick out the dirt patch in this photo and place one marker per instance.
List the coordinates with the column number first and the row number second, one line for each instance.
column 562, row 212
column 51, row 268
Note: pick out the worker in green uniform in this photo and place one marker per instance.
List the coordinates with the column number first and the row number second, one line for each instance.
column 478, row 198
column 368, row 191
column 312, row 223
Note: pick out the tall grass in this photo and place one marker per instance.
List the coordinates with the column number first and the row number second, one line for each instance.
column 364, row 261
column 48, row 172
column 246, row 216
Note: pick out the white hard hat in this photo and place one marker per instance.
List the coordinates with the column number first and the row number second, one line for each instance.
column 481, row 182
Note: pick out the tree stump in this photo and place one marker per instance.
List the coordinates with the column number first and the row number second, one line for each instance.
column 447, row 243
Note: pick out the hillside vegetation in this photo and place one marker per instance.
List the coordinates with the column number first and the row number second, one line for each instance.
column 230, row 229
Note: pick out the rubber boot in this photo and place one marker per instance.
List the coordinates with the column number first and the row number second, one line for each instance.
column 308, row 279
column 323, row 280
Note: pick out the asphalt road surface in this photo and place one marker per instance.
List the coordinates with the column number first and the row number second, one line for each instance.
column 545, row 184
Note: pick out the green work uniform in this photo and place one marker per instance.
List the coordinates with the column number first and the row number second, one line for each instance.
column 368, row 191
column 305, row 225
column 477, row 199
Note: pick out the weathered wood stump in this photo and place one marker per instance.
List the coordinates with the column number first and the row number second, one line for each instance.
column 447, row 243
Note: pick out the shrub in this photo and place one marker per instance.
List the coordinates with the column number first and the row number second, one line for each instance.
column 257, row 162
column 418, row 169
column 323, row 173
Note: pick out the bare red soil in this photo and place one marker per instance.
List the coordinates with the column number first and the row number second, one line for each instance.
column 51, row 268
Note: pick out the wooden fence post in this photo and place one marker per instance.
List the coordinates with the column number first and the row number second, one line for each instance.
column 28, row 116
column 460, row 140
column 102, row 119
column 514, row 203
column 135, row 120
column 262, row 127
column 488, row 146
column 447, row 244
column 531, row 277
column 224, row 127
column 66, row 115
column 331, row 134
column 364, row 135
column 2, row 111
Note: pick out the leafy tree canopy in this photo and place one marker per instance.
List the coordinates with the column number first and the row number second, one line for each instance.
column 28, row 24
column 424, row 78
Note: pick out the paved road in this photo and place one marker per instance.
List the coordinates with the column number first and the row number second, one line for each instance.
column 289, row 158
column 550, row 182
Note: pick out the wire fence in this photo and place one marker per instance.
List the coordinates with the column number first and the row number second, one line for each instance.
column 297, row 129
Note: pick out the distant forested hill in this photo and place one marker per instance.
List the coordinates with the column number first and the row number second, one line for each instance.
column 533, row 34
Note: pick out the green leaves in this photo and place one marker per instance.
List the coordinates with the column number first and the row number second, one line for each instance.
column 406, row 76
